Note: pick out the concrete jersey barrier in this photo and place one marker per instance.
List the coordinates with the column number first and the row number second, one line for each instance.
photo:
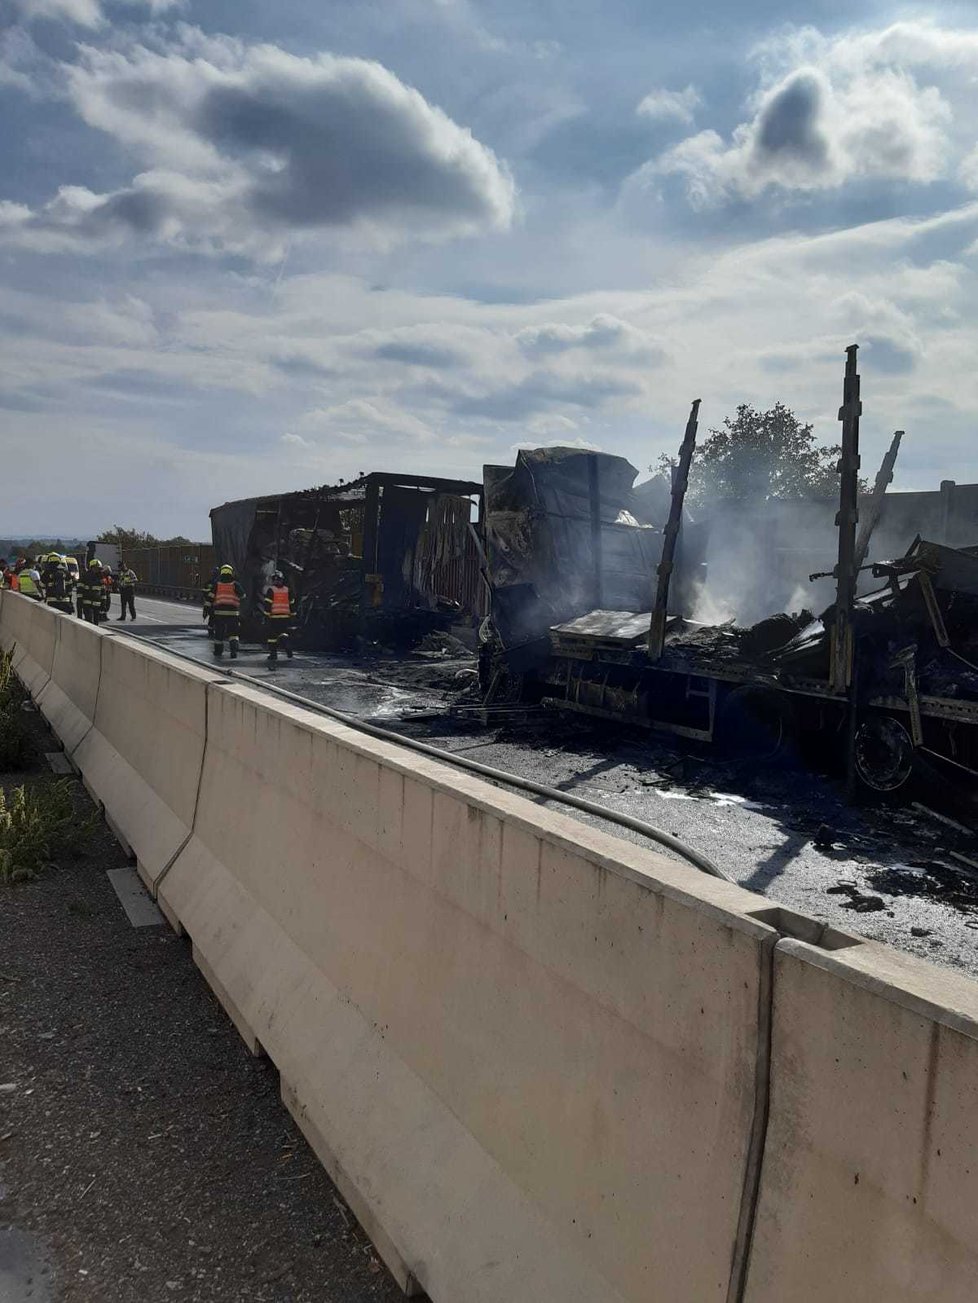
column 143, row 757
column 542, row 1064
column 132, row 720
column 526, row 1050
column 29, row 629
column 870, row 1174
column 68, row 699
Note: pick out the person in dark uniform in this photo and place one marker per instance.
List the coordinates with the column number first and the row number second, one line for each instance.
column 57, row 589
column 94, row 595
column 127, row 592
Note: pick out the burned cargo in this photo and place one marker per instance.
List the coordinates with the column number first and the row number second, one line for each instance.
column 885, row 683
column 384, row 558
column 563, row 537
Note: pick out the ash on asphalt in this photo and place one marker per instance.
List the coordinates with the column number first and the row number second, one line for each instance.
column 780, row 831
column 144, row 1154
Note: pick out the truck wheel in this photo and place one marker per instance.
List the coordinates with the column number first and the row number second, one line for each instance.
column 754, row 722
column 884, row 753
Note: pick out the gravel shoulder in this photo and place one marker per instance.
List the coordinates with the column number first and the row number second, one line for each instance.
column 144, row 1154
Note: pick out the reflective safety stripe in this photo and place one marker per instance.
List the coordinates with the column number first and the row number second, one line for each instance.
column 225, row 595
column 281, row 604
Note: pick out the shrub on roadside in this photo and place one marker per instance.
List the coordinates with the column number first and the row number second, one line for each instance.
column 9, row 687
column 15, row 739
column 38, row 823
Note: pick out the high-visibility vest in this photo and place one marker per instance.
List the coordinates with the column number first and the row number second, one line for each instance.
column 27, row 584
column 226, row 597
column 281, row 604
column 14, row 582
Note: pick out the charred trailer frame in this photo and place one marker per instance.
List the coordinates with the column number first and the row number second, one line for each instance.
column 385, row 557
column 878, row 681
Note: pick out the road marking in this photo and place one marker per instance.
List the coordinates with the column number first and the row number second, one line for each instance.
column 140, row 909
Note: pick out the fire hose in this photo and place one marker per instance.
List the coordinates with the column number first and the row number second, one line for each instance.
column 501, row 776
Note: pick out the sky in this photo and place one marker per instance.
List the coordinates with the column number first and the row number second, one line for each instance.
column 251, row 247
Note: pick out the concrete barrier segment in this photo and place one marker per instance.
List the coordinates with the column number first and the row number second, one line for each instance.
column 68, row 699
column 142, row 759
column 869, row 1185
column 30, row 629
column 530, row 1049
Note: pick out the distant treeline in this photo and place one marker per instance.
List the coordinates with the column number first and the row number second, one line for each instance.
column 38, row 546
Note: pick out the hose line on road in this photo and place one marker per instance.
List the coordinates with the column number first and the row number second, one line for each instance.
column 502, row 776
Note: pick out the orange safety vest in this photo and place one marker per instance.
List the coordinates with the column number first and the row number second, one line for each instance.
column 281, row 604
column 15, row 582
column 226, row 598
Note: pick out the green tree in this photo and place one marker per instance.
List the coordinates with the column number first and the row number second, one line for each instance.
column 756, row 455
column 129, row 539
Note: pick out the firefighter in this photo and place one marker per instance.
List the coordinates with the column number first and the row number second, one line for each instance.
column 127, row 592
column 222, row 610
column 57, row 589
column 93, row 593
column 48, row 568
column 279, row 618
column 29, row 580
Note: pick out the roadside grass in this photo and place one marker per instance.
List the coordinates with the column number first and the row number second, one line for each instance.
column 39, row 823
column 39, row 820
column 15, row 736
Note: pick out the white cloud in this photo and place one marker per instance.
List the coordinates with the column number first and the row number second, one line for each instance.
column 670, row 105
column 360, row 420
column 830, row 111
column 603, row 332
column 968, row 171
column 87, row 13
column 245, row 146
column 295, row 441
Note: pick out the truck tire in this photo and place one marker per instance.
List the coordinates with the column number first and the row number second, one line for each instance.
column 754, row 722
column 884, row 754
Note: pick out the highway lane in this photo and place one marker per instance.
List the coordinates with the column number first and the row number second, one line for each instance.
column 785, row 834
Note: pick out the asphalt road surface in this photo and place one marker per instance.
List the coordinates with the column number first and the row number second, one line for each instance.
column 884, row 872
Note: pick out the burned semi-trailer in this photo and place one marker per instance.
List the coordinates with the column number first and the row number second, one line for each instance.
column 878, row 681
column 384, row 558
column 564, row 534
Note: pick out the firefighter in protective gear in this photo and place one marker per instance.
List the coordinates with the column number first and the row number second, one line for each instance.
column 57, row 590
column 279, row 618
column 127, row 592
column 48, row 567
column 93, row 593
column 222, row 610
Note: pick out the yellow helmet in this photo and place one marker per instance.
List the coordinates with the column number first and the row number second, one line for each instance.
column 227, row 572
column 95, row 564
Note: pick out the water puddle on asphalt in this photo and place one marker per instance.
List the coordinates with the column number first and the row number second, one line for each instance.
column 24, row 1269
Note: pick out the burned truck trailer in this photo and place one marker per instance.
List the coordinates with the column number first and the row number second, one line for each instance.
column 383, row 558
column 913, row 689
column 878, row 682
